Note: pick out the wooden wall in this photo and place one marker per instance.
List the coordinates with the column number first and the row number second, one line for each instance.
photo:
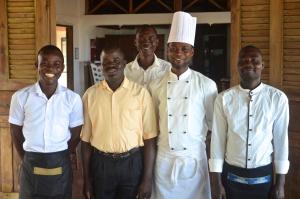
column 274, row 26
column 25, row 26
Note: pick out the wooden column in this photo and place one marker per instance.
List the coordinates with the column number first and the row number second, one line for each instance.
column 235, row 40
column 276, row 43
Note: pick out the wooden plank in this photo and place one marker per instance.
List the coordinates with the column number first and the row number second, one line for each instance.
column 22, row 25
column 22, row 52
column 291, row 58
column 291, row 19
column 291, row 1
column 3, row 41
column 246, row 33
column 19, row 62
column 291, row 6
column 291, row 52
column 289, row 71
column 21, row 41
column 4, row 103
column 291, row 25
column 292, row 77
column 235, row 40
column 21, row 15
column 255, row 39
column 255, row 27
column 255, row 20
column 264, row 45
column 9, row 195
column 16, row 169
column 253, row 14
column 291, row 45
column 22, row 76
column 295, row 12
column 22, row 66
column 21, row 57
column 291, row 38
column 295, row 84
column 20, row 4
column 21, row 31
column 20, row 20
column 6, row 160
column 21, row 47
column 254, row 2
column 20, row 72
column 21, row 36
column 256, row 8
column 20, row 10
column 276, row 33
column 288, row 64
column 291, row 32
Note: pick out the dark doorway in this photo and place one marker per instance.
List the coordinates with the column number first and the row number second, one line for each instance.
column 210, row 56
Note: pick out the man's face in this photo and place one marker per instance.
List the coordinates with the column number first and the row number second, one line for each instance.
column 250, row 64
column 50, row 67
column 146, row 41
column 113, row 64
column 180, row 54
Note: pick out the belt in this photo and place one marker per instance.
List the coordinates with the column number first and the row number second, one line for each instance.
column 249, row 181
column 118, row 155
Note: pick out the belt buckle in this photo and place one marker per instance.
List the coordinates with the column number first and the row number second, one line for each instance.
column 115, row 155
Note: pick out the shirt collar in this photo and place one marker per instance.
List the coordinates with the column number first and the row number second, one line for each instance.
column 124, row 84
column 136, row 65
column 37, row 89
column 183, row 76
column 254, row 91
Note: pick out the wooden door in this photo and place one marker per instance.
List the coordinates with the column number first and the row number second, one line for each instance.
column 25, row 27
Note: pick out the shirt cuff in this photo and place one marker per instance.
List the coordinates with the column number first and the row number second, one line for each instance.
column 15, row 121
column 216, row 165
column 76, row 123
column 147, row 136
column 282, row 167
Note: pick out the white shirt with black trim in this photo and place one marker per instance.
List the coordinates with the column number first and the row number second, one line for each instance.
column 250, row 129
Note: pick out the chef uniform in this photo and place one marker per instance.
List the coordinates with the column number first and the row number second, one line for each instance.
column 184, row 107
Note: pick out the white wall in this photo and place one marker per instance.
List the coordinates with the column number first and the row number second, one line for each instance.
column 71, row 12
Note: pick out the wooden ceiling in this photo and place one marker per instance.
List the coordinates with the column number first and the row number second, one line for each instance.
column 94, row 7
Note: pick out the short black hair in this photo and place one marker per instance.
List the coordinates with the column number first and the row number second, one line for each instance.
column 113, row 47
column 51, row 49
column 145, row 27
column 250, row 47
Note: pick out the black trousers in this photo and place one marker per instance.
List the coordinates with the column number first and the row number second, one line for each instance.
column 235, row 190
column 116, row 178
column 37, row 185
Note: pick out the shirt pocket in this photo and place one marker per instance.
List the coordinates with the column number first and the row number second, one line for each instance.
column 132, row 119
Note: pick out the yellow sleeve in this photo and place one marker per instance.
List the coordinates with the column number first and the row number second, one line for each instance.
column 86, row 131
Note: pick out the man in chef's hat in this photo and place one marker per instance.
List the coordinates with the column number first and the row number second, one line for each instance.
column 184, row 102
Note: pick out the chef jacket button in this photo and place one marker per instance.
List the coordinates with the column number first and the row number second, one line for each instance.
column 170, row 115
column 185, row 97
column 184, row 132
column 250, row 115
column 172, row 148
column 170, row 132
column 187, row 81
column 249, row 159
column 184, row 148
column 169, row 82
column 169, row 98
column 185, row 115
column 250, row 129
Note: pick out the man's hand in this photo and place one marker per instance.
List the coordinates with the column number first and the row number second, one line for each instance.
column 278, row 188
column 217, row 188
column 145, row 189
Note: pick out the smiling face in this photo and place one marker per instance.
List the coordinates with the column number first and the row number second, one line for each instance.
column 250, row 64
column 50, row 66
column 146, row 41
column 180, row 54
column 113, row 64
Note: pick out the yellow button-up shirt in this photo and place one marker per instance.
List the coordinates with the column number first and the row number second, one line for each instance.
column 117, row 121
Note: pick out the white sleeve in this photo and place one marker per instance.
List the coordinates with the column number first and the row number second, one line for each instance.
column 280, row 137
column 16, row 111
column 211, row 93
column 218, row 139
column 76, row 116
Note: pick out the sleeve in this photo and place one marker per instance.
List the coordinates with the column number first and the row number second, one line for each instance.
column 86, row 131
column 149, row 118
column 76, row 116
column 16, row 111
column 280, row 137
column 211, row 93
column 218, row 139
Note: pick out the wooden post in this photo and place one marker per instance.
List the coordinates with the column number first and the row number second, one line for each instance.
column 276, row 45
column 177, row 5
column 235, row 40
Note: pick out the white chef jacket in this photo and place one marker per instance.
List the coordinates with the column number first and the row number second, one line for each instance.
column 46, row 122
column 136, row 73
column 184, row 108
column 250, row 126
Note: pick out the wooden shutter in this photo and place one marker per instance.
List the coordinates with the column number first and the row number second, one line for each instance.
column 255, row 25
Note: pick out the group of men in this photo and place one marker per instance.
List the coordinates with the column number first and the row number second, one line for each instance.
column 143, row 128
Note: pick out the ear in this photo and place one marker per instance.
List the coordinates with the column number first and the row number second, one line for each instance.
column 262, row 65
column 192, row 51
column 135, row 42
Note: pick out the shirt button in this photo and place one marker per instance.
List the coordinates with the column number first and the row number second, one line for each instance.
column 170, row 132
column 185, row 97
column 169, row 98
column 249, row 144
column 184, row 132
column 172, row 148
column 185, row 115
column 184, row 148
column 249, row 159
column 250, row 129
column 169, row 82
column 187, row 81
column 250, row 115
column 170, row 115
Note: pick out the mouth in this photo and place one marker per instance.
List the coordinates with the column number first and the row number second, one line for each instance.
column 49, row 75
